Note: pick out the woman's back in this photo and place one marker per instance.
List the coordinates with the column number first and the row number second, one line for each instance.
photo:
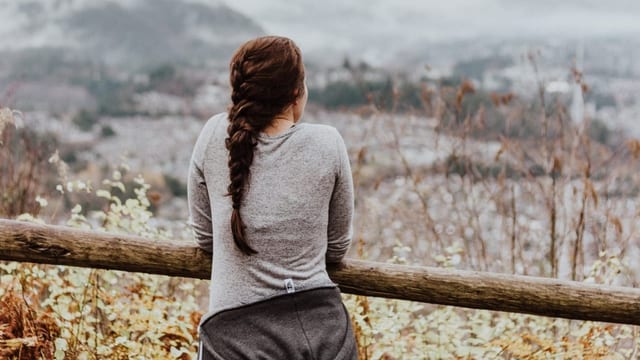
column 273, row 201
column 297, row 209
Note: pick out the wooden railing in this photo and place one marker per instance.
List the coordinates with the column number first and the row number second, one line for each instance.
column 28, row 242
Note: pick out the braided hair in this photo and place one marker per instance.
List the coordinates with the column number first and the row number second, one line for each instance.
column 267, row 76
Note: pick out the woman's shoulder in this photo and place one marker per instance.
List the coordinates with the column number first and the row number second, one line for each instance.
column 322, row 135
column 320, row 139
column 215, row 126
column 321, row 131
column 217, row 120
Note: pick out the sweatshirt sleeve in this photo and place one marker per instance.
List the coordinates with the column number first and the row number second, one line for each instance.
column 341, row 207
column 198, row 194
column 199, row 208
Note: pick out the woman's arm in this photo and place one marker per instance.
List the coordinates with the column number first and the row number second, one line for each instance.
column 199, row 207
column 197, row 192
column 340, row 228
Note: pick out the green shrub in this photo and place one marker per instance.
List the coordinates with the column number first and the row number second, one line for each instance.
column 107, row 131
column 85, row 120
column 176, row 186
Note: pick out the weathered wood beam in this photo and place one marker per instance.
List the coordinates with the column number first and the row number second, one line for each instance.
column 27, row 242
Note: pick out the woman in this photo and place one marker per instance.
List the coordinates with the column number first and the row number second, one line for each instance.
column 272, row 199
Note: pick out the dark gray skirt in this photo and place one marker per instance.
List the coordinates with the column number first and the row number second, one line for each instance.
column 310, row 324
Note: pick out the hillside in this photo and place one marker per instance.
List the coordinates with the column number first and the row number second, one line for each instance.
column 127, row 33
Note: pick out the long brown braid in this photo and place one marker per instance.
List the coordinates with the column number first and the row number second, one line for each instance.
column 264, row 74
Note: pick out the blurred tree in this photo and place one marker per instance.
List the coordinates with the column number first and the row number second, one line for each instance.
column 85, row 120
column 24, row 162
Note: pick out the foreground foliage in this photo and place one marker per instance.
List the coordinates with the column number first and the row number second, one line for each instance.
column 71, row 313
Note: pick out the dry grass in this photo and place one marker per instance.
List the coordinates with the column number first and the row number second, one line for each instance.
column 25, row 333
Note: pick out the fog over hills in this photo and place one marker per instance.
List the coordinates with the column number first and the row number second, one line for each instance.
column 127, row 32
column 377, row 31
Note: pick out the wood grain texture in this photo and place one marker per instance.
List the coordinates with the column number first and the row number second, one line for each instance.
column 28, row 242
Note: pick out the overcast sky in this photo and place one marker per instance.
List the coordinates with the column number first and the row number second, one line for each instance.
column 370, row 27
column 374, row 29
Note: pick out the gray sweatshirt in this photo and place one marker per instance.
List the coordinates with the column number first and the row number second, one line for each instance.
column 298, row 212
